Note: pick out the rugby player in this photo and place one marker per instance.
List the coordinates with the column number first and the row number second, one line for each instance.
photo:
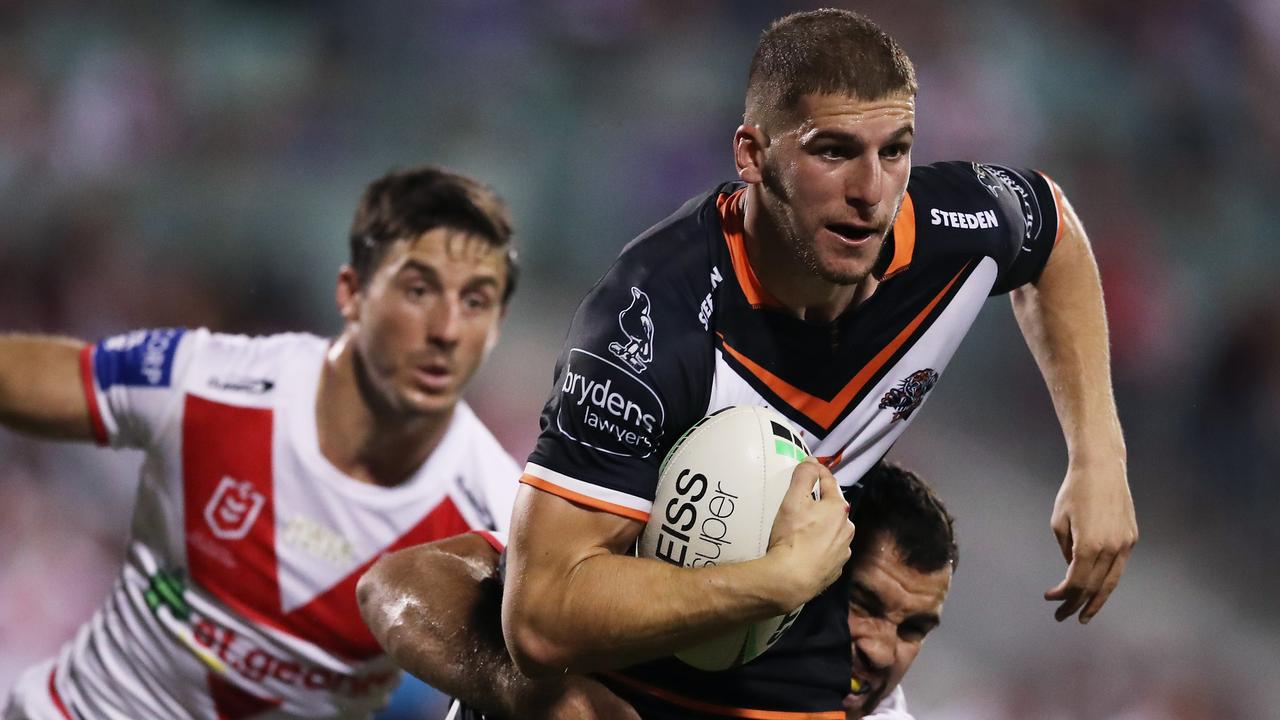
column 278, row 469
column 832, row 282
column 902, row 560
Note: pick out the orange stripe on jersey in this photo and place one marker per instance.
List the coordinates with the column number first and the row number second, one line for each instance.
column 581, row 499
column 825, row 412
column 91, row 396
column 1058, row 202
column 725, row 710
column 904, row 238
column 731, row 221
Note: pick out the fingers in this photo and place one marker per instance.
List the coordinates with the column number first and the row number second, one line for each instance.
column 804, row 477
column 828, row 488
column 1091, row 577
column 1061, row 527
column 1109, row 584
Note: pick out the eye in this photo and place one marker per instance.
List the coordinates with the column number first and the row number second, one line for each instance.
column 895, row 151
column 477, row 301
column 832, row 152
column 913, row 632
column 416, row 291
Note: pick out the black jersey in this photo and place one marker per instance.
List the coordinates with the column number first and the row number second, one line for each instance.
column 680, row 327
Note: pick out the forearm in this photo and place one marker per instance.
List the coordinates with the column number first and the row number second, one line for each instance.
column 436, row 613
column 40, row 387
column 1064, row 322
column 617, row 610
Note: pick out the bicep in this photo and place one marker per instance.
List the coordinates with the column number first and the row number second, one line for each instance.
column 41, row 387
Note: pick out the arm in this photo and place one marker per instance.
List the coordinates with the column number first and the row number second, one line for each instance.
column 41, row 392
column 435, row 609
column 1062, row 318
column 575, row 601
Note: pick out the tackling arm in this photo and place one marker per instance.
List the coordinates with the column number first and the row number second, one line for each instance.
column 435, row 609
column 576, row 602
column 1062, row 318
column 41, row 391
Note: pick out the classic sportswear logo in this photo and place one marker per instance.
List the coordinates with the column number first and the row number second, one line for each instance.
column 256, row 386
column 637, row 349
column 1026, row 198
column 603, row 406
column 233, row 508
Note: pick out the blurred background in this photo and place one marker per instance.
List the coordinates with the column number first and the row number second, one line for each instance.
column 197, row 163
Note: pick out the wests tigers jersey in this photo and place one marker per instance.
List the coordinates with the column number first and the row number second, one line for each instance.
column 680, row 326
column 237, row 595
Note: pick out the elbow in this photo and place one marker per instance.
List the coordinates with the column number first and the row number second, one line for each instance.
column 371, row 594
column 537, row 652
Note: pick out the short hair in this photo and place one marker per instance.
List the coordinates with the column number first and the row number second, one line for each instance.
column 894, row 501
column 405, row 204
column 825, row 52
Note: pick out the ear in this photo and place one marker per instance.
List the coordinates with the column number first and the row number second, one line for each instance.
column 749, row 144
column 348, row 294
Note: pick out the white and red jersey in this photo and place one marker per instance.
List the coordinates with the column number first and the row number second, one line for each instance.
column 237, row 596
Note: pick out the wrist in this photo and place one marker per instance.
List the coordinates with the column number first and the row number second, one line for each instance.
column 782, row 588
column 1105, row 446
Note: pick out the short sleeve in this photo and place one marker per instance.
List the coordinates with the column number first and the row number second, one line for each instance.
column 634, row 373
column 133, row 383
column 1038, row 205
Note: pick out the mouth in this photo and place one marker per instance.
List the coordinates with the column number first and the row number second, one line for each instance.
column 859, row 693
column 850, row 234
column 434, row 377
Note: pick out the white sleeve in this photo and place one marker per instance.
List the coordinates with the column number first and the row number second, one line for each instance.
column 894, row 707
column 134, row 382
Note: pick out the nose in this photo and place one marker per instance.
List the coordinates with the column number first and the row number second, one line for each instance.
column 444, row 322
column 864, row 181
column 875, row 645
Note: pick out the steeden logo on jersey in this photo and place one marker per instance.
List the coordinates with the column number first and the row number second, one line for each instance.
column 233, row 508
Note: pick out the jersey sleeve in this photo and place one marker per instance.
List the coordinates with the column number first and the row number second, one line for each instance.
column 133, row 383
column 1011, row 215
column 634, row 373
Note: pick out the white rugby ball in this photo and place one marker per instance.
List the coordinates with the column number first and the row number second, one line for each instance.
column 718, row 492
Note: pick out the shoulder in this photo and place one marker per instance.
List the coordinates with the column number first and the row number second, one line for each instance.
column 674, row 255
column 964, row 210
column 245, row 365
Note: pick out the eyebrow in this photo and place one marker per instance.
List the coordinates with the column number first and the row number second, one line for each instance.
column 865, row 596
column 411, row 265
column 874, row 604
column 835, row 134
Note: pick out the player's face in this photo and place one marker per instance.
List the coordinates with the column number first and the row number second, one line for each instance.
column 891, row 609
column 833, row 183
column 427, row 317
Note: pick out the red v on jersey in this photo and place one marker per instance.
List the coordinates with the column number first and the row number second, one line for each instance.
column 230, row 523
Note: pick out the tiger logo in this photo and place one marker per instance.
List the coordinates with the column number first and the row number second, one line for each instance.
column 907, row 396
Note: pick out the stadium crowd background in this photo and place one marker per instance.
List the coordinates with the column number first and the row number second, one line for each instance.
column 197, row 164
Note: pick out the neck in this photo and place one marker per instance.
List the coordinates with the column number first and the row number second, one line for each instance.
column 360, row 435
column 795, row 286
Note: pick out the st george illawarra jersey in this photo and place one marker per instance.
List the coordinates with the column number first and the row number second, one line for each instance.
column 680, row 327
column 237, row 595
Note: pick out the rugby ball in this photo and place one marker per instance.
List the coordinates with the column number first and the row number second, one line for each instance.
column 718, row 491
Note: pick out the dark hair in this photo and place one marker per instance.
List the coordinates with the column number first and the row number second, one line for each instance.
column 895, row 501
column 824, row 51
column 404, row 204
